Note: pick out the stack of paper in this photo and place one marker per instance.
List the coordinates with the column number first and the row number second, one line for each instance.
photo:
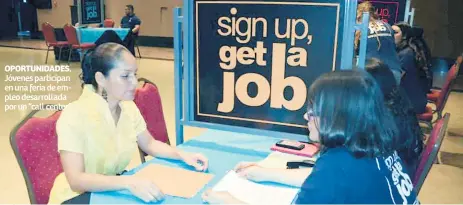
column 254, row 193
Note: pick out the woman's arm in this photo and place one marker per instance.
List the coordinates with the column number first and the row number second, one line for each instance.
column 74, row 169
column 291, row 177
column 79, row 181
column 155, row 148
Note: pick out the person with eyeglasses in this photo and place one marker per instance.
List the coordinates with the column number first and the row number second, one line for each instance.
column 357, row 163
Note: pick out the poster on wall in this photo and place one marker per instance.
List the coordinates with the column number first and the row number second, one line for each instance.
column 90, row 11
column 254, row 61
column 390, row 11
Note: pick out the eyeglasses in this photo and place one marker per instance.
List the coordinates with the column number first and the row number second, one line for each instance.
column 309, row 115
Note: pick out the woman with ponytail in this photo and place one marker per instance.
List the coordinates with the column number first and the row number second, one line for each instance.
column 99, row 133
column 380, row 42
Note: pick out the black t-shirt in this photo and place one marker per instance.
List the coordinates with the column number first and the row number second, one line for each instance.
column 130, row 22
column 340, row 178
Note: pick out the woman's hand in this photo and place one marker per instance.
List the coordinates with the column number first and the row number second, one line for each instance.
column 252, row 171
column 198, row 161
column 219, row 197
column 144, row 189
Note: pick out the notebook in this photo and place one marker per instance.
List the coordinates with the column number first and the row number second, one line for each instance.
column 253, row 193
column 175, row 181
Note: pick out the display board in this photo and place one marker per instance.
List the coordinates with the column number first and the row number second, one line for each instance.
column 90, row 11
column 248, row 65
column 254, row 61
column 390, row 11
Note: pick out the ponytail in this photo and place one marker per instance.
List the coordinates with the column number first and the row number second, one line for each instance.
column 101, row 59
column 87, row 75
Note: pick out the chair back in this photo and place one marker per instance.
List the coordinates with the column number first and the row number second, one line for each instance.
column 35, row 145
column 108, row 23
column 429, row 154
column 447, row 87
column 148, row 101
column 71, row 34
column 48, row 33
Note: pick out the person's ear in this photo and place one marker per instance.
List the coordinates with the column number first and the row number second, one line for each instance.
column 100, row 79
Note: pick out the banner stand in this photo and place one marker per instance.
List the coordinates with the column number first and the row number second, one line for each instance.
column 409, row 13
column 90, row 11
column 185, row 67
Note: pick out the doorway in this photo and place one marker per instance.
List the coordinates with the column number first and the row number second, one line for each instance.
column 27, row 19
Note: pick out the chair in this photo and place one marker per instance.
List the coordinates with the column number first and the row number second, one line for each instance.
column 443, row 95
column 50, row 40
column 148, row 101
column 430, row 152
column 71, row 35
column 35, row 145
column 108, row 23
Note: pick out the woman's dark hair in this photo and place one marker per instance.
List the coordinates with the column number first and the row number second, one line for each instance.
column 412, row 37
column 409, row 141
column 351, row 112
column 101, row 59
column 382, row 74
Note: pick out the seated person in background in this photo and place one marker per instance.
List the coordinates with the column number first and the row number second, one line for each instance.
column 99, row 133
column 417, row 80
column 131, row 21
column 380, row 40
column 357, row 163
column 410, row 42
column 410, row 141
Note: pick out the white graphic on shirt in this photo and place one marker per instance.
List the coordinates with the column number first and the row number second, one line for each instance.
column 400, row 179
column 377, row 27
column 390, row 190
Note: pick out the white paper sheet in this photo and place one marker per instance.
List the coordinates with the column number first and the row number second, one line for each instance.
column 254, row 193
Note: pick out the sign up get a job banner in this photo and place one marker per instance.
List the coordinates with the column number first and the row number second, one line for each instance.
column 91, row 11
column 255, row 60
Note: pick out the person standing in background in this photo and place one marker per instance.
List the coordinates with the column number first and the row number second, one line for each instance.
column 131, row 21
column 380, row 41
